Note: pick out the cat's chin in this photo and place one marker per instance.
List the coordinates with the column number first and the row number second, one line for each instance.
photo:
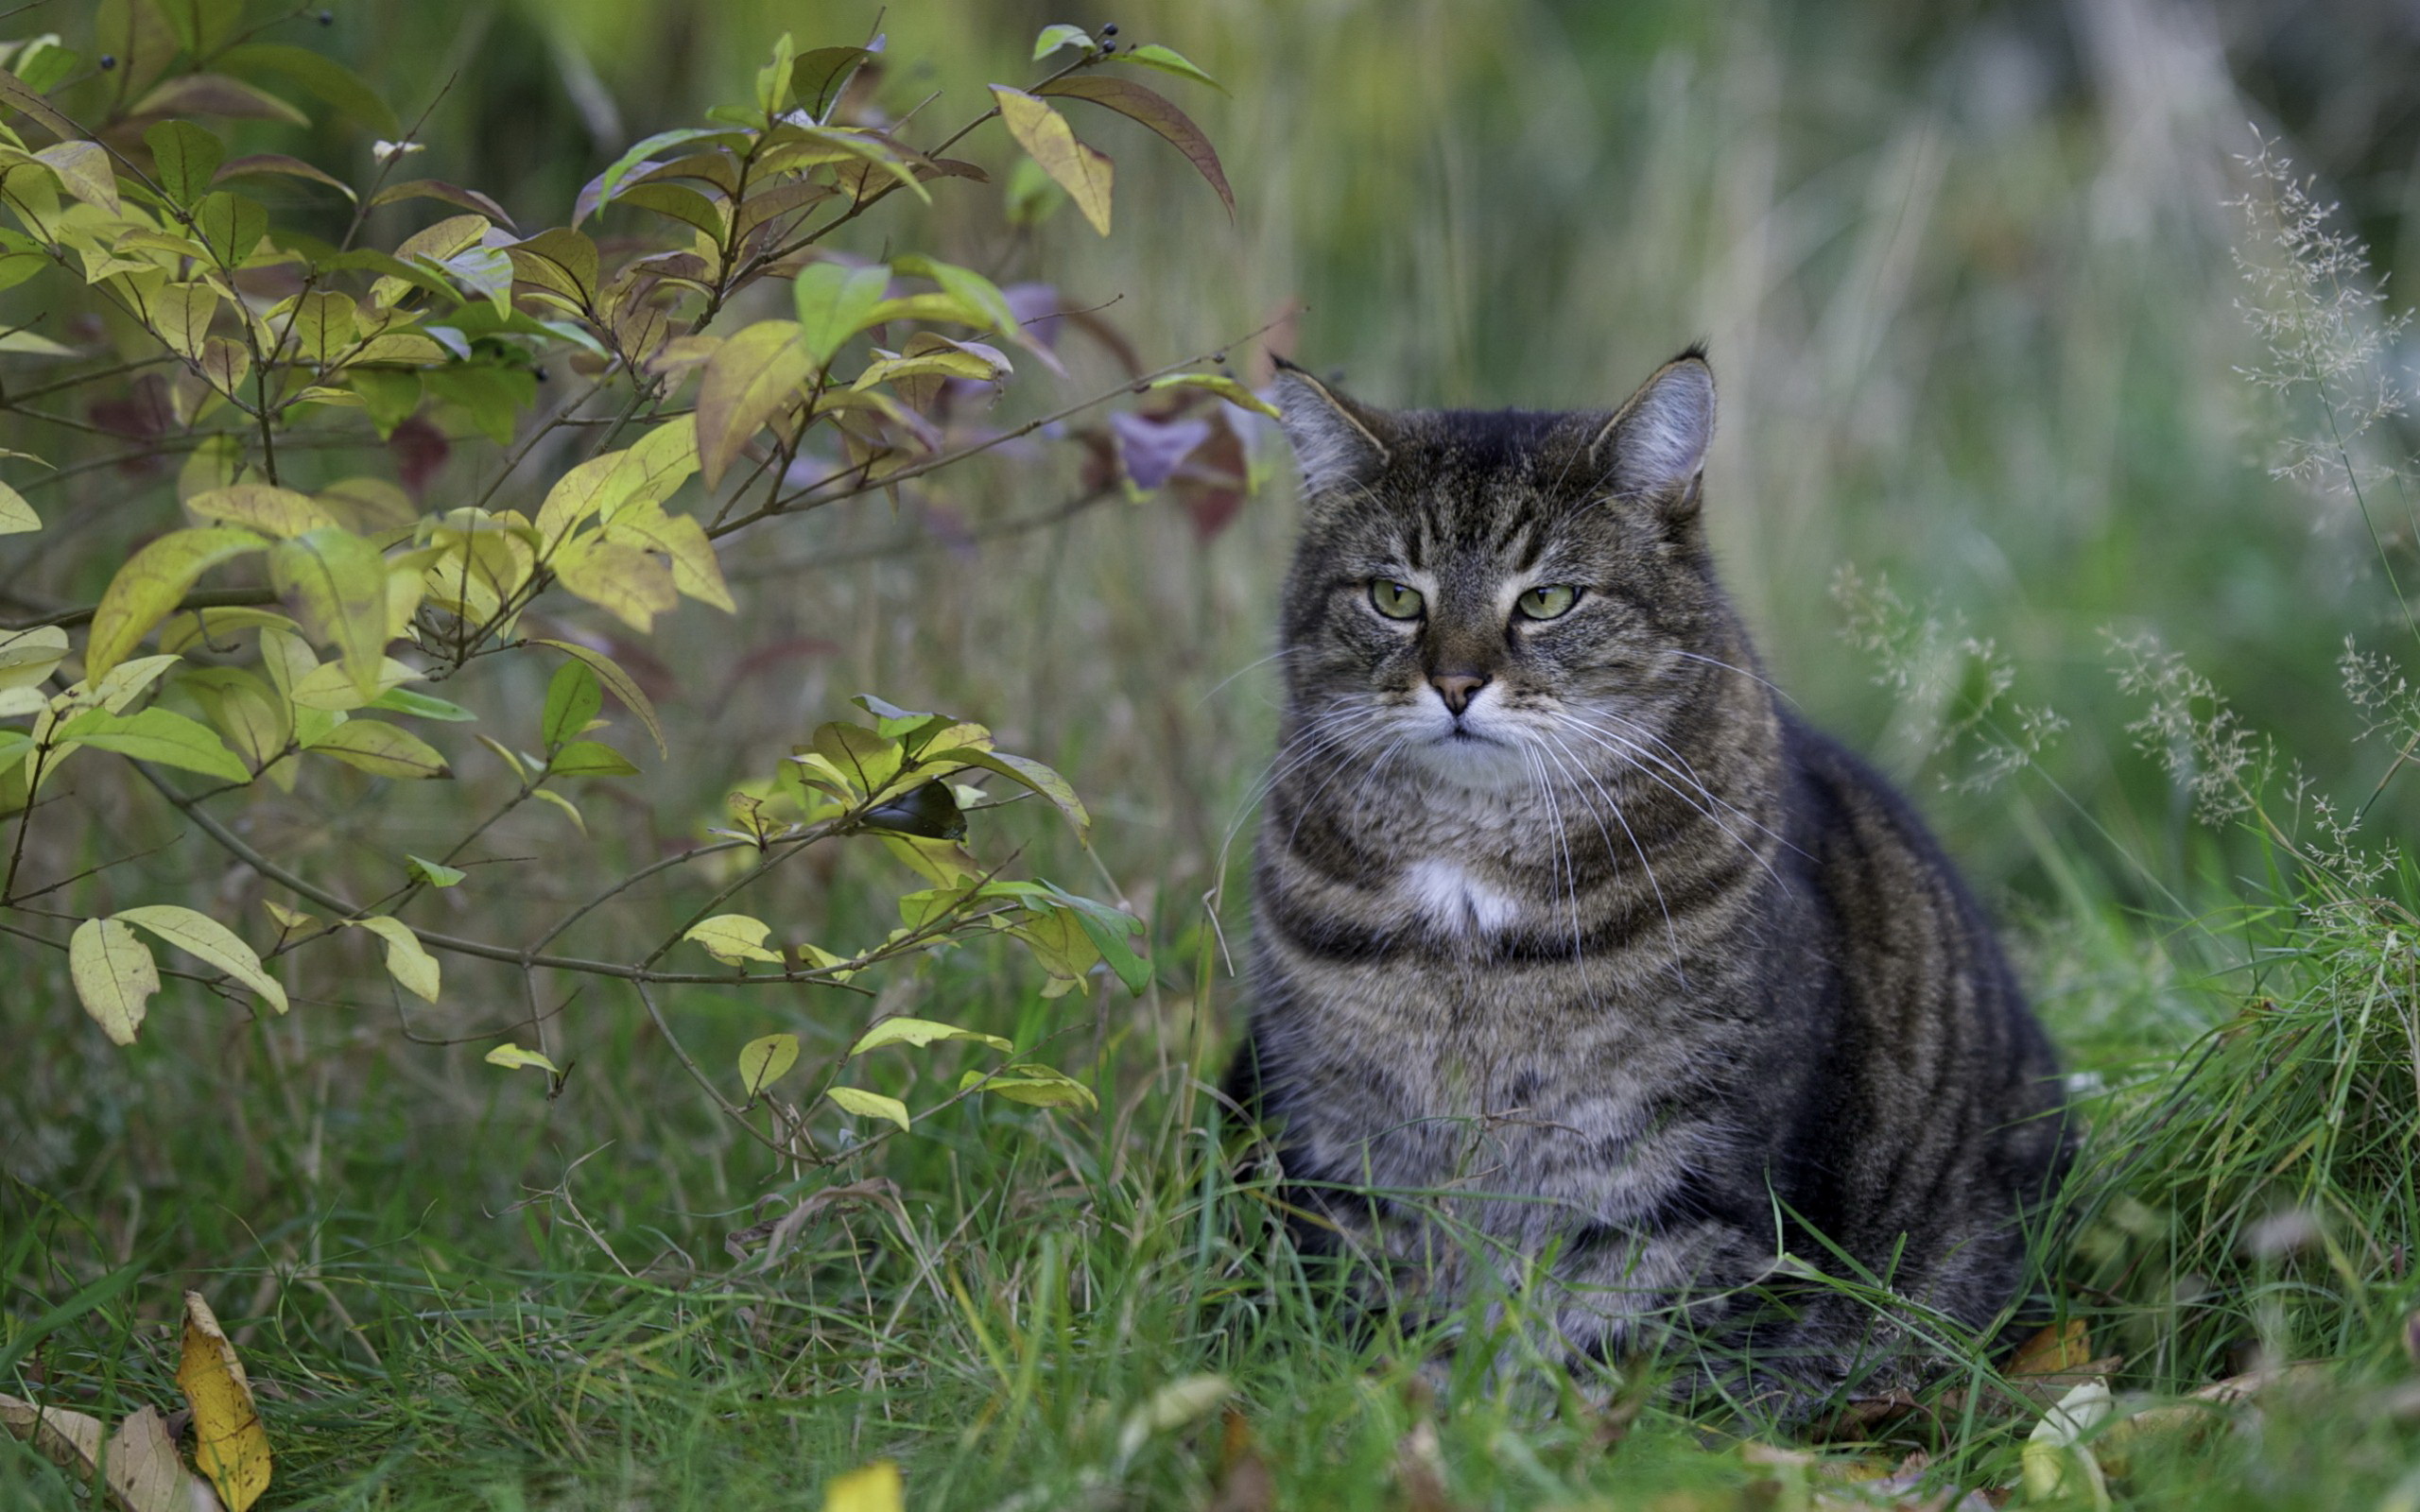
column 1463, row 759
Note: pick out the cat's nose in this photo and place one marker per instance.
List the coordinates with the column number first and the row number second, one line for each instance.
column 1457, row 688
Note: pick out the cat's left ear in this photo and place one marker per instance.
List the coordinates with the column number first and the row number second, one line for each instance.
column 1654, row 447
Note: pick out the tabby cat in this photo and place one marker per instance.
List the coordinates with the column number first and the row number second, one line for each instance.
column 1579, row 957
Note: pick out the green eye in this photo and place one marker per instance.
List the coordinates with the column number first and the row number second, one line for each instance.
column 1394, row 600
column 1552, row 602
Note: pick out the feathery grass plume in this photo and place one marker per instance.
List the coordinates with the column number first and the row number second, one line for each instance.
column 1952, row 687
column 2328, row 334
column 2189, row 729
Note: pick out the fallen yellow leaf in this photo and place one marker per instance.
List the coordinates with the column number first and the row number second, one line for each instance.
column 870, row 1489
column 230, row 1445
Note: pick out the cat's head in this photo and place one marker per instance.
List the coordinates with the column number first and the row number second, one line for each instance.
column 1489, row 592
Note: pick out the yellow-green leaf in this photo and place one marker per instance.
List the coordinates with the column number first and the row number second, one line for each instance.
column 660, row 462
column 200, row 936
column 160, row 735
column 684, row 542
column 2058, row 1463
column 115, row 976
column 26, row 657
column 1168, row 60
column 181, row 314
column 337, row 583
column 1085, row 174
column 921, row 1032
column 83, row 168
column 278, row 513
column 512, row 1058
column 764, row 1061
column 16, row 515
column 1220, row 385
column 619, row 684
column 148, row 588
column 230, row 1445
column 834, row 304
column 571, row 811
column 733, row 939
column 329, row 687
column 869, row 1105
column 434, row 873
column 628, row 582
column 1038, row 1086
column 381, row 749
column 1041, row 779
column 407, row 961
column 747, row 380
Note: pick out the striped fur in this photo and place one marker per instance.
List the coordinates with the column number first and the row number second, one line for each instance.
column 1624, row 981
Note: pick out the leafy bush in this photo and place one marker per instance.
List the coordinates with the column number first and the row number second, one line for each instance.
column 309, row 477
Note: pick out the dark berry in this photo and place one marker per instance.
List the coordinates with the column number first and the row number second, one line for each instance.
column 327, row 18
column 109, row 60
column 541, row 372
column 1109, row 28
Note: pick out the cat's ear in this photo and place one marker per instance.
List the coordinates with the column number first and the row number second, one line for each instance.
column 1654, row 446
column 1335, row 440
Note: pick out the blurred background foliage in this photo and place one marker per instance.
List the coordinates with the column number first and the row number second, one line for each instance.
column 1966, row 273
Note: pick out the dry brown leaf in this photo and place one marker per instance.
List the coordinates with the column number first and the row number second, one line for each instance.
column 1420, row 1470
column 142, row 1472
column 1244, row 1482
column 2062, row 1346
column 230, row 1445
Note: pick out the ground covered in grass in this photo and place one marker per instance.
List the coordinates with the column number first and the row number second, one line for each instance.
column 486, row 1300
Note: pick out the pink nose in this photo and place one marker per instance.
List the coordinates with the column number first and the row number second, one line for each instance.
column 1456, row 689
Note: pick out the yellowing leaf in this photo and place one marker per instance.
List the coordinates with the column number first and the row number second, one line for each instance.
column 230, row 1445
column 625, row 580
column 733, row 938
column 144, row 1472
column 150, row 587
column 26, row 657
column 869, row 1105
column 682, row 541
column 272, row 511
column 1045, row 134
column 181, row 314
column 200, row 936
column 115, row 976
column 1039, row 1085
column 336, row 582
column 1220, row 385
column 407, row 961
column 747, row 381
column 83, row 168
column 1041, row 779
column 2058, row 1464
column 921, row 1032
column 874, row 1487
column 224, row 364
column 512, row 1058
column 16, row 515
column 160, row 735
column 764, row 1061
column 571, row 811
column 1134, row 101
column 835, row 302
column 660, row 462
column 380, row 749
column 332, row 688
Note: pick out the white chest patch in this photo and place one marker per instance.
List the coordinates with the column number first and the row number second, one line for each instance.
column 1452, row 897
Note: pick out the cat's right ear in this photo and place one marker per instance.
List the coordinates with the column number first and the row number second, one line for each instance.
column 1336, row 440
